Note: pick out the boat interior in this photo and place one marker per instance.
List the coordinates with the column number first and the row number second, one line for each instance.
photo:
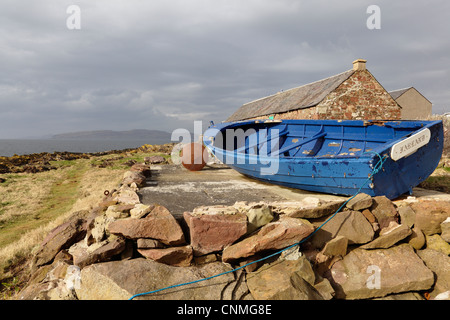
column 331, row 139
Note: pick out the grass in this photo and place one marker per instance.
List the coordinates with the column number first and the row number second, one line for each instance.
column 11, row 287
column 441, row 184
column 32, row 204
column 35, row 202
column 2, row 205
column 118, row 162
column 63, row 163
column 438, row 181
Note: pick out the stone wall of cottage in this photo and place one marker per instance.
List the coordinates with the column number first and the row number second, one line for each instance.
column 360, row 97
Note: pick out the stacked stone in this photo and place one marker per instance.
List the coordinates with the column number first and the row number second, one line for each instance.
column 372, row 248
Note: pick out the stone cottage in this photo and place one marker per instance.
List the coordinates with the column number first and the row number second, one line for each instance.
column 414, row 105
column 353, row 94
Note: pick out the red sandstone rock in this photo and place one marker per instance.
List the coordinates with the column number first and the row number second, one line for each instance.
column 374, row 273
column 430, row 215
column 137, row 177
column 211, row 233
column 142, row 168
column 159, row 224
column 174, row 256
column 384, row 211
column 61, row 237
column 83, row 256
column 275, row 235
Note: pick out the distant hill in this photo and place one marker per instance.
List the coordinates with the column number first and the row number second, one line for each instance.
column 153, row 136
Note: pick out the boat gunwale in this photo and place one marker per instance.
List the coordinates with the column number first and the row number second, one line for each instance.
column 380, row 184
column 384, row 147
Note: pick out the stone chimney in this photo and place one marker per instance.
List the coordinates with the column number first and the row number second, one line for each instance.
column 359, row 64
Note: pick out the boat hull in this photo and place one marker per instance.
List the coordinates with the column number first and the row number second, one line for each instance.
column 341, row 172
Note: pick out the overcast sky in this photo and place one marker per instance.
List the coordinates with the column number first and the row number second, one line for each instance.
column 163, row 64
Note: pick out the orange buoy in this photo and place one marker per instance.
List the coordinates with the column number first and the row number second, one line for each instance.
column 194, row 156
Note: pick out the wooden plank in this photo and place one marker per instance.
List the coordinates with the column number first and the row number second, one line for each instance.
column 298, row 144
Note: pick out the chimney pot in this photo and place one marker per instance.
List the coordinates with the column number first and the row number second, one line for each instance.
column 359, row 64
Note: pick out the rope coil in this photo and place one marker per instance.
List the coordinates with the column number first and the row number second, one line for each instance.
column 375, row 170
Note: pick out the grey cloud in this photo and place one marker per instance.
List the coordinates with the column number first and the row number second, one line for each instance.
column 162, row 64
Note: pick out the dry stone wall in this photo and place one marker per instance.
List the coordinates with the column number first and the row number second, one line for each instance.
column 372, row 248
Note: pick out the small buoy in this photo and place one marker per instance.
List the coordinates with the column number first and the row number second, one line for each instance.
column 106, row 192
column 194, row 156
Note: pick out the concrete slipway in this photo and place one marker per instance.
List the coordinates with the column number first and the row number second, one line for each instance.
column 180, row 190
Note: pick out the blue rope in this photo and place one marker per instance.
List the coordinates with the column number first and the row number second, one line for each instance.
column 375, row 170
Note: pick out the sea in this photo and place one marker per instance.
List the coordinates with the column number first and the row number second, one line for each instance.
column 10, row 147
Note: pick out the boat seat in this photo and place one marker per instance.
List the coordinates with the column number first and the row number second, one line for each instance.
column 244, row 149
column 318, row 135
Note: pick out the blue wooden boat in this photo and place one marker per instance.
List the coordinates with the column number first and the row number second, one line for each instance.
column 331, row 156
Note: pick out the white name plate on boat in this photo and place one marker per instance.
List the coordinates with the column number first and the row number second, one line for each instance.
column 410, row 145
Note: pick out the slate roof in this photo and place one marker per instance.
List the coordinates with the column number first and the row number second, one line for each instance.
column 302, row 97
column 395, row 94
